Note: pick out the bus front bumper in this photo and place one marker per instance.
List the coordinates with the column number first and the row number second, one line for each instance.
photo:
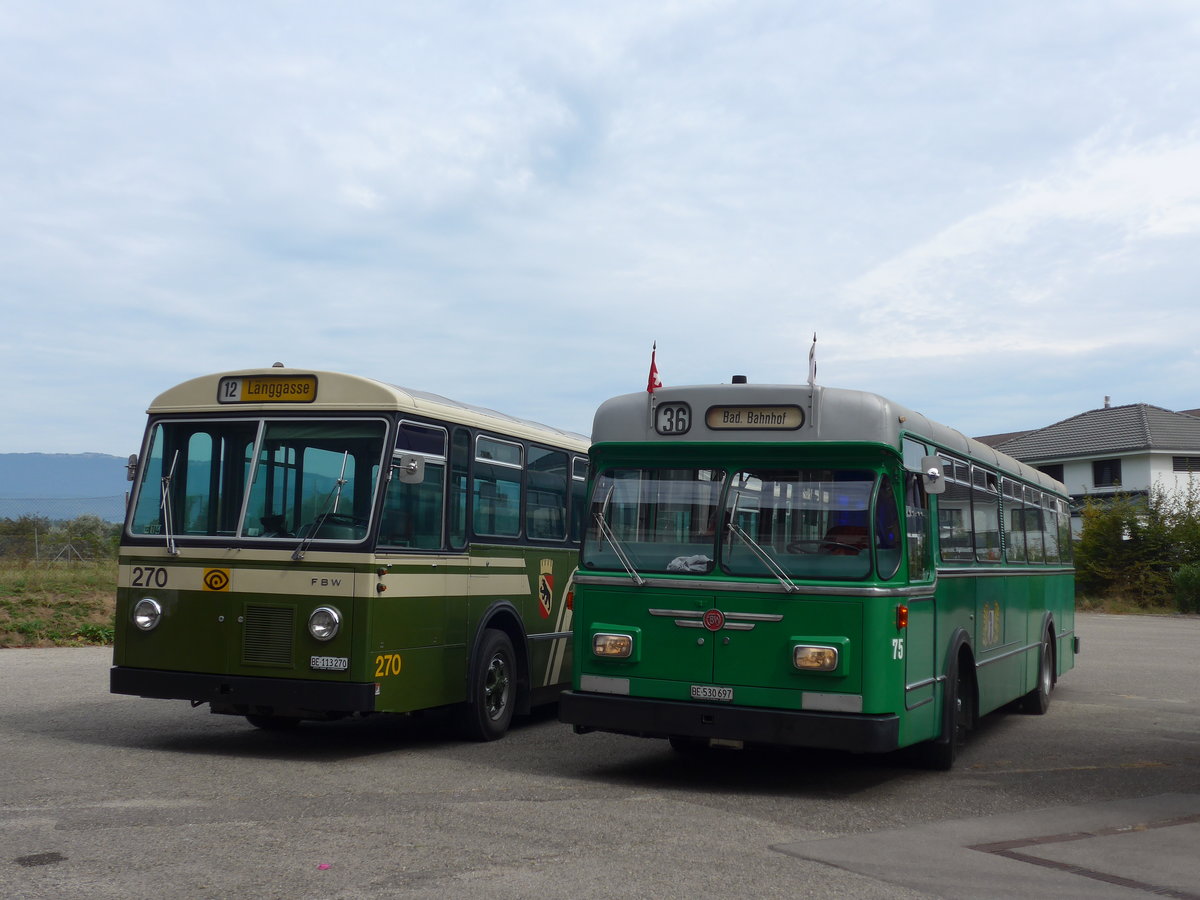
column 244, row 691
column 643, row 717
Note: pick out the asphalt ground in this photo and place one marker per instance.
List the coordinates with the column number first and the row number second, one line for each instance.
column 105, row 796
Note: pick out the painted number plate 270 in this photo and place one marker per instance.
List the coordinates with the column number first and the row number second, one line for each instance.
column 708, row 692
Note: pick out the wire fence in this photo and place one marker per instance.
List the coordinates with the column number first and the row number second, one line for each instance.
column 60, row 529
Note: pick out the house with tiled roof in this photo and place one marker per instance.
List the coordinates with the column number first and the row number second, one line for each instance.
column 1115, row 449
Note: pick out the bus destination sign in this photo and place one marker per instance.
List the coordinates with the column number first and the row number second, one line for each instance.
column 754, row 418
column 267, row 389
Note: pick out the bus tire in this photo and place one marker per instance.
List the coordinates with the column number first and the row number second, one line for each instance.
column 688, row 746
column 1037, row 701
column 957, row 718
column 273, row 723
column 489, row 711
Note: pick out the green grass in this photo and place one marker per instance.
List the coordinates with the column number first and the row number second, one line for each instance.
column 57, row 604
column 61, row 604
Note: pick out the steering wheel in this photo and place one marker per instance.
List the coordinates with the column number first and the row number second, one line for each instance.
column 332, row 518
column 819, row 544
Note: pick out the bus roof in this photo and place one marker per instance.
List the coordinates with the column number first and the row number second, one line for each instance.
column 821, row 413
column 339, row 392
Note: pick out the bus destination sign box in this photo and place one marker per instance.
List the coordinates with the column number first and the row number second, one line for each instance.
column 267, row 389
column 754, row 418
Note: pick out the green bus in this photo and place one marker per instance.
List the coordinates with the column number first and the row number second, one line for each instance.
column 305, row 545
column 813, row 567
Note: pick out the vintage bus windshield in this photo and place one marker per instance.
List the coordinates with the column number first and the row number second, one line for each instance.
column 281, row 479
column 811, row 523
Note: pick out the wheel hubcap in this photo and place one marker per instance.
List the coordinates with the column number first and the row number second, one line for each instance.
column 496, row 687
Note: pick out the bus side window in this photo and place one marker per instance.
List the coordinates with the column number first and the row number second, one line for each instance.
column 887, row 529
column 413, row 513
column 546, row 500
column 916, row 519
column 460, row 455
column 955, row 522
column 579, row 473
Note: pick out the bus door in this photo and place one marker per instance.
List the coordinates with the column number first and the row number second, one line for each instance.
column 918, row 643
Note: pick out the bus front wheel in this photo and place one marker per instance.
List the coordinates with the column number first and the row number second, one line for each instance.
column 273, row 723
column 957, row 719
column 487, row 715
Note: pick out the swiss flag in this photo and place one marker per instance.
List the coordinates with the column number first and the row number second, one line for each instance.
column 653, row 382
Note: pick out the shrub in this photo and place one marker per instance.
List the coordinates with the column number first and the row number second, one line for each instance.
column 1132, row 547
column 1187, row 588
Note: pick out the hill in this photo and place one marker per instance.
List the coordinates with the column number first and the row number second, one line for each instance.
column 62, row 485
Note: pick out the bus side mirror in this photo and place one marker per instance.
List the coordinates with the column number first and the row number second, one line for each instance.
column 131, row 467
column 408, row 468
column 932, row 475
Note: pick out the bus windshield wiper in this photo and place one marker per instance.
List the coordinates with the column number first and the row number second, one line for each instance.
column 772, row 566
column 165, row 505
column 766, row 559
column 606, row 532
column 331, row 504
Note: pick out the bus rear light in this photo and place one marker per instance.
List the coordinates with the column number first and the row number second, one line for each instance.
column 811, row 658
column 612, row 646
column 901, row 616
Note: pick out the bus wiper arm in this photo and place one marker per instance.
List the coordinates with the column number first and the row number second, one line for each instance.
column 607, row 533
column 331, row 500
column 165, row 505
column 772, row 566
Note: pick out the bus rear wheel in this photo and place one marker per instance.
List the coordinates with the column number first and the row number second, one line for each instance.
column 1037, row 701
column 487, row 715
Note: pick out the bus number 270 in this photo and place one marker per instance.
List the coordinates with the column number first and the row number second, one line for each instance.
column 387, row 664
column 148, row 576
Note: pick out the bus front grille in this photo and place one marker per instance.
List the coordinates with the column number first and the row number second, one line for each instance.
column 268, row 636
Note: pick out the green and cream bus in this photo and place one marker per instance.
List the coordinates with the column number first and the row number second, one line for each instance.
column 813, row 567
column 312, row 545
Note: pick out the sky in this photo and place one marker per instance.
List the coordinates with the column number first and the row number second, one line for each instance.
column 989, row 213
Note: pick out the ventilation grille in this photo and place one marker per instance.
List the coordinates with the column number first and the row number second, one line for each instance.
column 268, row 636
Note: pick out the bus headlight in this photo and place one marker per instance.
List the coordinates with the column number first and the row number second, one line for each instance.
column 612, row 646
column 324, row 623
column 146, row 614
column 810, row 658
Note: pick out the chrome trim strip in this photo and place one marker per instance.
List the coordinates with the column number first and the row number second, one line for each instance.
column 689, row 623
column 737, row 626
column 549, row 636
column 916, row 591
column 990, row 572
column 754, row 617
column 1010, row 653
column 699, row 614
column 920, row 684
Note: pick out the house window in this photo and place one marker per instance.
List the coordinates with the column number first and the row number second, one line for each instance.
column 1185, row 463
column 1106, row 472
column 1055, row 472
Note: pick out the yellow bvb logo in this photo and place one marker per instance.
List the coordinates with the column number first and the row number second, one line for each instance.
column 216, row 580
column 990, row 625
